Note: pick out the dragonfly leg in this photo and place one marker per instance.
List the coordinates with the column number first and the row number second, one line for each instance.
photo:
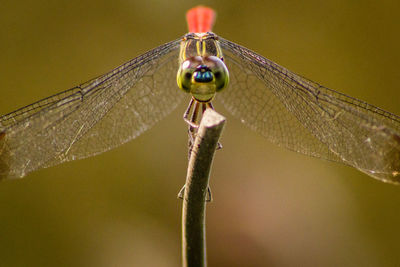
column 210, row 105
column 190, row 110
column 193, row 112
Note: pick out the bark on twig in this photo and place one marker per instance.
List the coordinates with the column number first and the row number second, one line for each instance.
column 194, row 200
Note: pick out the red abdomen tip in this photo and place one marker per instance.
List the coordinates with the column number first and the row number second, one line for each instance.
column 200, row 19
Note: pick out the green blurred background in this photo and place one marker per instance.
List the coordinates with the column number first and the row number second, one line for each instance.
column 271, row 207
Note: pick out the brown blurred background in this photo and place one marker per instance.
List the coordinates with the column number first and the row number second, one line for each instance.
column 271, row 207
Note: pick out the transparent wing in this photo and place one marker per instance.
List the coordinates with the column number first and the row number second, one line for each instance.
column 306, row 117
column 91, row 118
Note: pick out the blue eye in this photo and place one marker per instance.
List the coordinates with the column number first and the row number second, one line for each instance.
column 219, row 70
column 203, row 76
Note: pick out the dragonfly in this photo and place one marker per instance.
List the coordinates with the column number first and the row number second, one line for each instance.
column 288, row 109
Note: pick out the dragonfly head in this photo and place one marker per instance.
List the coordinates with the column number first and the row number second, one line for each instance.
column 203, row 77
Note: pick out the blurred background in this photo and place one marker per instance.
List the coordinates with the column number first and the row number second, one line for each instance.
column 271, row 207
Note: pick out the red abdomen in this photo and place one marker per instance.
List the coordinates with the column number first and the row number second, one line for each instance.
column 200, row 19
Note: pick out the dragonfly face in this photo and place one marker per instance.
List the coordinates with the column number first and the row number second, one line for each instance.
column 202, row 72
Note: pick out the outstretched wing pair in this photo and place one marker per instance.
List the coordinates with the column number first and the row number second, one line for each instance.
column 289, row 110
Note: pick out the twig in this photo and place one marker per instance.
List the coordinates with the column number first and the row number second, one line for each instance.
column 196, row 188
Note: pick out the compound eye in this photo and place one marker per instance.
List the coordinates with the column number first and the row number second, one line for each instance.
column 185, row 73
column 219, row 70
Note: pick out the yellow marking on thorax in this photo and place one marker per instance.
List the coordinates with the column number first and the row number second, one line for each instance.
column 198, row 45
column 199, row 48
